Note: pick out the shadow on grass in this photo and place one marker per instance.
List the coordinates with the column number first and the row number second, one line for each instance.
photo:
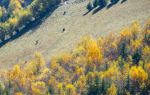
column 113, row 2
column 87, row 12
column 98, row 9
column 32, row 25
column 123, row 1
column 95, row 10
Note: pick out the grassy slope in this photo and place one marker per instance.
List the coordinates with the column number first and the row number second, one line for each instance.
column 52, row 41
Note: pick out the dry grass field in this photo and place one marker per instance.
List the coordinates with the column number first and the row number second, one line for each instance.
column 49, row 39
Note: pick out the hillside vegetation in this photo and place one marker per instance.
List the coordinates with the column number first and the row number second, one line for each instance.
column 16, row 14
column 114, row 65
column 51, row 40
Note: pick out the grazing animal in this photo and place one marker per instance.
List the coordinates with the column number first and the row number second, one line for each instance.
column 64, row 13
column 36, row 42
column 63, row 30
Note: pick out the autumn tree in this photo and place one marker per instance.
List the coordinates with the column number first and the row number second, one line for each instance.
column 138, row 77
column 39, row 62
column 94, row 67
column 95, row 84
column 70, row 89
column 18, row 93
column 60, row 89
column 112, row 90
column 146, row 33
column 38, row 88
column 14, row 6
column 2, row 87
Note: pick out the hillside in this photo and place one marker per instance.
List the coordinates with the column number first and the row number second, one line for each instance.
column 49, row 39
column 93, row 67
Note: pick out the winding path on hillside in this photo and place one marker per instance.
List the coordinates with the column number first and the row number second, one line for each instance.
column 59, row 33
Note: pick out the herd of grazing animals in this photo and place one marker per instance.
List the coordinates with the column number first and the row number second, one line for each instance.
column 30, row 12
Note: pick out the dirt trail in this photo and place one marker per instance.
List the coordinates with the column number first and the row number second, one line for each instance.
column 50, row 39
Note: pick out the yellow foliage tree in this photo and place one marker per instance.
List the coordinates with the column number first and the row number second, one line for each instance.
column 38, row 88
column 39, row 62
column 136, row 44
column 135, row 29
column 70, row 89
column 1, row 12
column 79, row 71
column 81, row 83
column 60, row 89
column 147, row 66
column 146, row 53
column 65, row 58
column 15, row 73
column 93, row 51
column 15, row 6
column 125, row 34
column 138, row 74
column 13, row 20
column 18, row 93
column 112, row 90
column 112, row 72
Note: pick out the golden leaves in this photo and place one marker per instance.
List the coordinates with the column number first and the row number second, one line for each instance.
column 137, row 73
column 146, row 51
column 81, row 70
column 39, row 59
column 126, row 33
column 131, row 32
column 65, row 58
column 18, row 93
column 135, row 27
column 93, row 51
column 15, row 73
column 136, row 44
column 38, row 88
column 1, row 12
column 81, row 83
column 15, row 6
column 71, row 90
column 112, row 90
column 111, row 73
column 60, row 89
